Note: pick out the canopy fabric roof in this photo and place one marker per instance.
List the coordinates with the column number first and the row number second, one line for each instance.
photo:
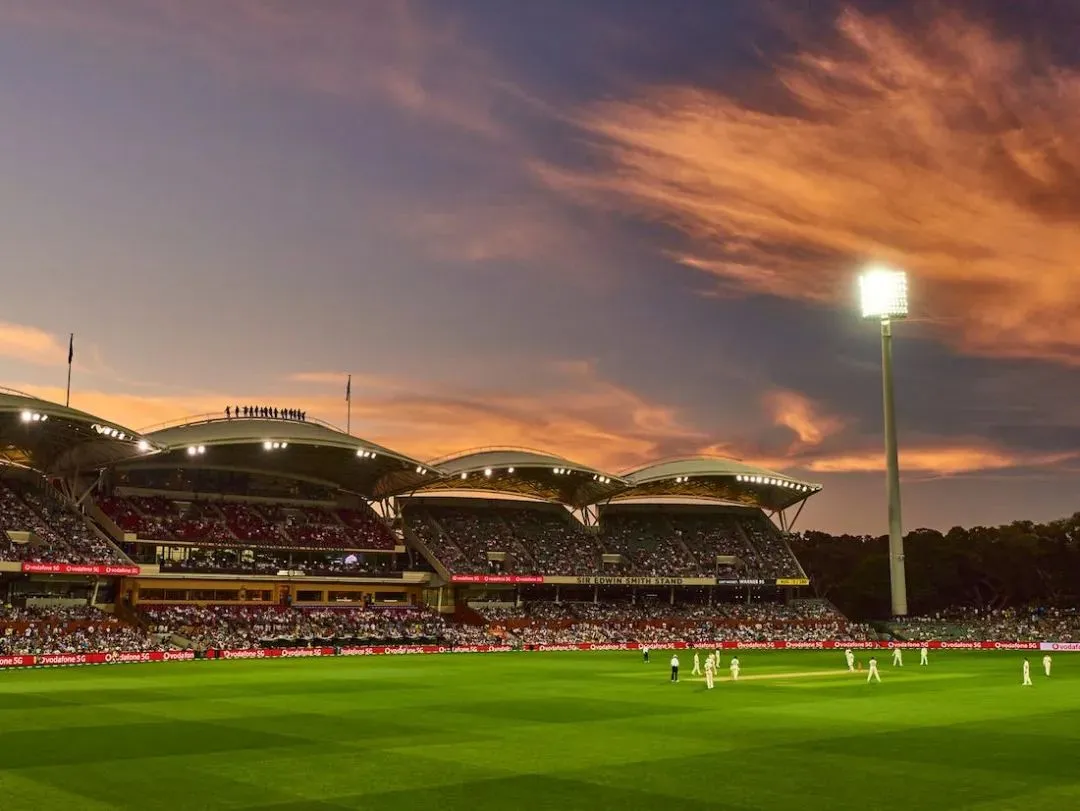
column 58, row 440
column 525, row 472
column 310, row 449
column 716, row 477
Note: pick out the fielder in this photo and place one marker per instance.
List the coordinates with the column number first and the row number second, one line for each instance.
column 710, row 671
column 849, row 657
column 924, row 655
column 1046, row 665
column 734, row 668
column 897, row 657
column 1027, row 674
column 873, row 671
column 697, row 665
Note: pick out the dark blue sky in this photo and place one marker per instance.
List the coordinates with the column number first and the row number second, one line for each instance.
column 618, row 230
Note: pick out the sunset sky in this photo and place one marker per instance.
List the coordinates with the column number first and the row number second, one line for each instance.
column 618, row 229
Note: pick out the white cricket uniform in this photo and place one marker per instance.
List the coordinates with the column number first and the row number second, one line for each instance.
column 1027, row 674
column 1046, row 664
column 873, row 674
column 710, row 672
column 734, row 669
column 924, row 655
column 897, row 657
column 697, row 666
column 849, row 657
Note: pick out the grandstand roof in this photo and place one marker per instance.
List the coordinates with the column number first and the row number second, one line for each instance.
column 57, row 440
column 525, row 472
column 715, row 477
column 309, row 449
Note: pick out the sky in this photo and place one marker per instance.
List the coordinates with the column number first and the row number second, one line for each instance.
column 618, row 230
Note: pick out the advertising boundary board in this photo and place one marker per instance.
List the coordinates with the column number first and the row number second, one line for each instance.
column 131, row 657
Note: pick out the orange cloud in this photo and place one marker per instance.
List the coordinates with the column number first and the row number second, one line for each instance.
column 802, row 416
column 945, row 150
column 31, row 345
column 941, row 461
column 579, row 415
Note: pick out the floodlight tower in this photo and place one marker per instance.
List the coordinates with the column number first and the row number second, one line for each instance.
column 884, row 297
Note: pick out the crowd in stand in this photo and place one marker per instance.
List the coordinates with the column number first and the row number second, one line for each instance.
column 265, row 412
column 236, row 524
column 974, row 624
column 59, row 534
column 231, row 561
column 248, row 626
column 68, row 630
column 562, row 623
column 544, row 540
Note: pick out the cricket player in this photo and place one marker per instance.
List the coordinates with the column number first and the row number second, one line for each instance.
column 849, row 657
column 924, row 655
column 1046, row 665
column 897, row 657
column 873, row 674
column 674, row 668
column 645, row 654
column 1027, row 673
column 697, row 665
column 734, row 668
column 710, row 671
column 717, row 654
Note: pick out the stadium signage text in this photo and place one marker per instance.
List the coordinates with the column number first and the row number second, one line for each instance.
column 124, row 657
column 77, row 568
column 742, row 582
column 614, row 580
column 640, row 581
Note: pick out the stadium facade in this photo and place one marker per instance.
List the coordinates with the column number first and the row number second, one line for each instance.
column 273, row 508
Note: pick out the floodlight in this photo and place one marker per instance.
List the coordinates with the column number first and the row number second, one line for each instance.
column 884, row 294
column 464, row 475
column 487, row 471
column 419, row 469
column 191, row 451
column 27, row 416
column 143, row 445
column 509, row 470
column 202, row 449
column 268, row 445
column 284, row 444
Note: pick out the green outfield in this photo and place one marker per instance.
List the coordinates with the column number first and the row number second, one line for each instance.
column 551, row 731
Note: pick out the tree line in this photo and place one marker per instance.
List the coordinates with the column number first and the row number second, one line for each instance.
column 1011, row 566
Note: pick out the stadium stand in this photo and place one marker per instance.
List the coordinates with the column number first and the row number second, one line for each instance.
column 546, row 622
column 238, row 524
column 29, row 631
column 59, row 534
column 246, row 626
column 972, row 624
column 651, row 541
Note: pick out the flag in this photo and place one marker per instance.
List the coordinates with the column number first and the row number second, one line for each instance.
column 348, row 390
column 71, row 348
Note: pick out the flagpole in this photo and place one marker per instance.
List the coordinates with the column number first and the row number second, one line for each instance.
column 71, row 356
column 348, row 407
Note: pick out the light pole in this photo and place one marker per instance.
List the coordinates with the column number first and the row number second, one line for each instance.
column 884, row 299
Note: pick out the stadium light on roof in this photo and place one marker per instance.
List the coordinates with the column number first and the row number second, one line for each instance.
column 509, row 470
column 143, row 445
column 487, row 472
column 884, row 297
